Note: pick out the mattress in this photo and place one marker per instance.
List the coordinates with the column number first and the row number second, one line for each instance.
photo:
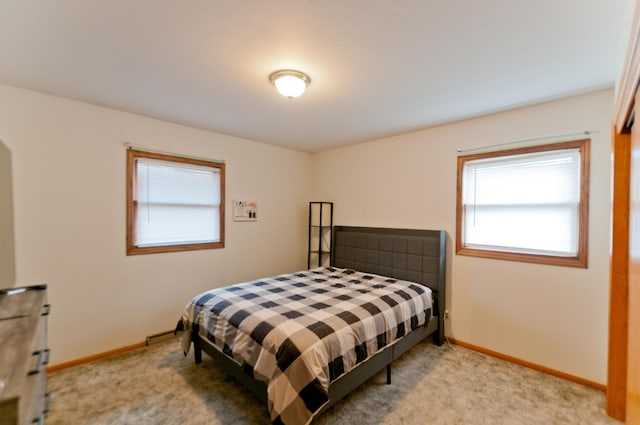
column 298, row 332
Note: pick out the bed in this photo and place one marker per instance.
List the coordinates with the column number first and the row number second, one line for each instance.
column 392, row 279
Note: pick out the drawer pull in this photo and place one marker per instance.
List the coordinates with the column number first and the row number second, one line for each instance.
column 47, row 356
column 46, row 309
column 47, row 403
column 43, row 359
column 46, row 407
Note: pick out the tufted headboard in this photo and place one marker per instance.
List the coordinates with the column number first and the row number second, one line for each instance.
column 407, row 254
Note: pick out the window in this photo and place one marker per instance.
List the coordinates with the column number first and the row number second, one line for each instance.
column 529, row 204
column 173, row 203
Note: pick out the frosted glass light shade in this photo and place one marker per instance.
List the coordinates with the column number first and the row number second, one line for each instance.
column 290, row 83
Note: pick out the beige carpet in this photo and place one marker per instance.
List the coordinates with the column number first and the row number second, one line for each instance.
column 431, row 385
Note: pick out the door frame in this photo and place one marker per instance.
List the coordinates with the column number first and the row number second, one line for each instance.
column 624, row 358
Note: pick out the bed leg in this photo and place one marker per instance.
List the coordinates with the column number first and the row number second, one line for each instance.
column 197, row 352
column 438, row 336
column 197, row 348
column 389, row 374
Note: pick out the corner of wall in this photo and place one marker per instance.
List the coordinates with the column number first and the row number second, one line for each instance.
column 7, row 250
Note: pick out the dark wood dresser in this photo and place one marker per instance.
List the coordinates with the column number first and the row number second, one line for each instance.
column 23, row 355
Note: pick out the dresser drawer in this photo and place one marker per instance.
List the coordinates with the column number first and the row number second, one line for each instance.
column 36, row 399
column 17, row 336
column 23, row 355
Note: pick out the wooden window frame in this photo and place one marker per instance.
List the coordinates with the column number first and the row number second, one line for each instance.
column 132, row 248
column 581, row 259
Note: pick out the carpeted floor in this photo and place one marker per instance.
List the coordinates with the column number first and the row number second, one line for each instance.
column 431, row 385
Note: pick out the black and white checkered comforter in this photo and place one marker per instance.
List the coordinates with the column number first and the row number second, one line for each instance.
column 298, row 332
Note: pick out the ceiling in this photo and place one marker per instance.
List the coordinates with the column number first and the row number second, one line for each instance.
column 377, row 67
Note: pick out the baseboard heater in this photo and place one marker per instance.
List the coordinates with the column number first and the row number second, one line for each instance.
column 160, row 337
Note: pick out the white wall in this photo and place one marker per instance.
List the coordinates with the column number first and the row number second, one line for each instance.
column 7, row 264
column 549, row 315
column 69, row 213
column 69, row 204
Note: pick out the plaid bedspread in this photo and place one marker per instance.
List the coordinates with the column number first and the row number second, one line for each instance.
column 298, row 332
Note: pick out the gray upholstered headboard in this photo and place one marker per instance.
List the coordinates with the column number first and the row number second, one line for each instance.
column 408, row 254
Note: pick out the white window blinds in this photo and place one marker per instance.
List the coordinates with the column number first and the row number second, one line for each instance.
column 525, row 203
column 176, row 203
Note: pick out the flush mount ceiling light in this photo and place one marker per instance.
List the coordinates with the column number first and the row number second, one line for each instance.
column 290, row 83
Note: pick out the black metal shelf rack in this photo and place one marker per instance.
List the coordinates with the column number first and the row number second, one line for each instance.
column 320, row 234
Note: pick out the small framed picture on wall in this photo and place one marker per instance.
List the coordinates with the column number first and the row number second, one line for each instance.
column 245, row 211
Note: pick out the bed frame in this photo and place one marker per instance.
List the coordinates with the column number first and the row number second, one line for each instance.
column 408, row 254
